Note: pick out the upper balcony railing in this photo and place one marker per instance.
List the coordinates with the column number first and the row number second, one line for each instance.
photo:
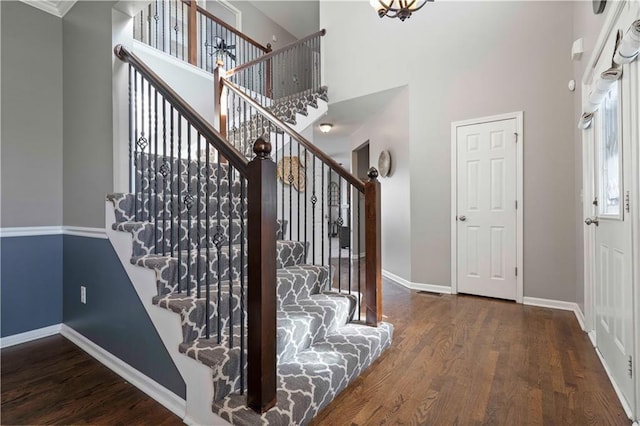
column 291, row 70
column 189, row 32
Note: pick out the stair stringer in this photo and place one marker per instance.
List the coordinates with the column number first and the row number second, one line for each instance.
column 313, row 116
column 197, row 376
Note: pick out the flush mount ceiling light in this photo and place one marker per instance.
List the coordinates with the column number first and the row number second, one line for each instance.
column 326, row 127
column 401, row 9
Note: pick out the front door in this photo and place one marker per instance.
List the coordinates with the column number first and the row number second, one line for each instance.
column 486, row 208
column 612, row 221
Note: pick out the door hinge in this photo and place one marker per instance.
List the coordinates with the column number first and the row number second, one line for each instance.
column 516, row 204
column 515, row 137
column 516, row 271
column 627, row 202
column 630, row 366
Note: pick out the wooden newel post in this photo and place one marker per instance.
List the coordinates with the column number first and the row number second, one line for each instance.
column 192, row 35
column 373, row 250
column 261, row 288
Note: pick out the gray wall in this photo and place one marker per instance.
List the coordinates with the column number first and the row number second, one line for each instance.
column 113, row 316
column 31, row 276
column 460, row 61
column 389, row 130
column 260, row 27
column 31, row 120
column 87, row 112
column 586, row 25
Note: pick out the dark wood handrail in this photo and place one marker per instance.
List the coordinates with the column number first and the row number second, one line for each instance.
column 220, row 22
column 333, row 164
column 270, row 55
column 198, row 122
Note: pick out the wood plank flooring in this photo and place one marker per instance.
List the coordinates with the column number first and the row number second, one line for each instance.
column 51, row 381
column 455, row 360
column 464, row 360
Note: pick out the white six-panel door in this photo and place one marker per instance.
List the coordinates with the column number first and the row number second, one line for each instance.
column 486, row 191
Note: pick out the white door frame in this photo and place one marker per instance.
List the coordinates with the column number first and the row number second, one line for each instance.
column 616, row 9
column 519, row 117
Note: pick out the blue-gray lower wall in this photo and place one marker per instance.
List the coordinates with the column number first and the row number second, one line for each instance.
column 31, row 280
column 113, row 316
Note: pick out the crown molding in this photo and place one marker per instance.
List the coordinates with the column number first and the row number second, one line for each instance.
column 55, row 7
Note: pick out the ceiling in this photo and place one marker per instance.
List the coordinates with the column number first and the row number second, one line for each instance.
column 299, row 17
column 54, row 7
column 347, row 117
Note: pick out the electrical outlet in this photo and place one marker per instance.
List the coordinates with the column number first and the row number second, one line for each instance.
column 83, row 294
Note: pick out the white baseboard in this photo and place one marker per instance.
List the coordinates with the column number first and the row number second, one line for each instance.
column 356, row 256
column 416, row 286
column 28, row 336
column 557, row 304
column 80, row 231
column 32, row 231
column 162, row 395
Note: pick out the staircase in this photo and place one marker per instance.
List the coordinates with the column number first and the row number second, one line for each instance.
column 283, row 321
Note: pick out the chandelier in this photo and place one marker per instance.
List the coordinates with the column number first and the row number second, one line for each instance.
column 401, row 9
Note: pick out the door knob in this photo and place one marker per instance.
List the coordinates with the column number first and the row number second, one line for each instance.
column 593, row 221
column 462, row 218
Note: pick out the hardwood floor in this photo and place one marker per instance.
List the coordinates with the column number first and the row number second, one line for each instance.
column 51, row 381
column 454, row 360
column 463, row 360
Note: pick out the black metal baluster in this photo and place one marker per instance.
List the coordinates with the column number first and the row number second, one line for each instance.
column 290, row 180
column 155, row 172
column 149, row 168
column 164, row 171
column 218, row 242
column 242, row 284
column 188, row 202
column 359, row 260
column 340, row 222
column 136, row 162
column 350, row 220
column 155, row 19
column 298, row 206
column 208, row 245
column 172, row 203
column 314, row 200
column 182, row 28
column 171, row 30
column 330, row 223
column 322, row 220
column 164, row 47
column 199, row 207
column 230, row 237
column 179, row 197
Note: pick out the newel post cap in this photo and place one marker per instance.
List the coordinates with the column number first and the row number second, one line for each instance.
column 372, row 173
column 262, row 148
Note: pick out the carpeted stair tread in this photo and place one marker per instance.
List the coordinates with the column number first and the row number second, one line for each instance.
column 314, row 377
column 129, row 207
column 309, row 321
column 193, row 309
column 223, row 361
column 300, row 281
column 288, row 252
column 149, row 237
